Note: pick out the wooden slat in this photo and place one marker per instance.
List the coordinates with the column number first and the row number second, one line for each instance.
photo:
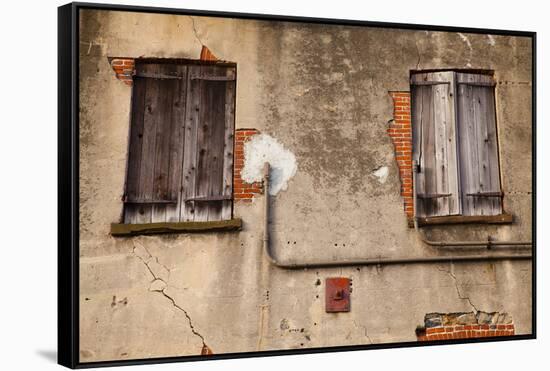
column 210, row 141
column 491, row 143
column 162, row 148
column 213, row 78
column 219, row 74
column 145, row 201
column 484, row 180
column 428, row 83
column 417, row 116
column 434, row 135
column 227, row 182
column 440, row 151
column 452, row 159
column 479, row 83
column 190, row 145
column 433, row 195
column 478, row 145
column 428, row 165
column 208, row 198
column 147, row 165
column 203, row 147
column 485, row 194
column 468, row 154
column 216, row 157
column 160, row 76
column 177, row 134
column 128, row 230
column 135, row 150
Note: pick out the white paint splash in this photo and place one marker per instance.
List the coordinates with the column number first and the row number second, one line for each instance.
column 263, row 148
column 491, row 41
column 382, row 174
column 469, row 45
column 466, row 40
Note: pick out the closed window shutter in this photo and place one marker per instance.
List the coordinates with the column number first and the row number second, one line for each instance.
column 208, row 158
column 434, row 144
column 480, row 177
column 153, row 177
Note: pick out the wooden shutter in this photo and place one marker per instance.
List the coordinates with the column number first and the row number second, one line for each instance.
column 208, row 157
column 480, row 175
column 434, row 144
column 180, row 162
column 156, row 144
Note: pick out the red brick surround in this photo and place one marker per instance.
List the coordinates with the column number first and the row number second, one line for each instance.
column 242, row 191
column 400, row 132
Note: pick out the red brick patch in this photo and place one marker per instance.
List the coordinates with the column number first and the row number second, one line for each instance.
column 400, row 132
column 242, row 191
column 124, row 69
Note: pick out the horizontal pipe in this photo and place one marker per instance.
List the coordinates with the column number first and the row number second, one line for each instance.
column 402, row 261
column 487, row 243
column 368, row 261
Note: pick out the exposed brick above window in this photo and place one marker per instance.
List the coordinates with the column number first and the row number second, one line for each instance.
column 242, row 191
column 400, row 133
column 207, row 55
column 124, row 69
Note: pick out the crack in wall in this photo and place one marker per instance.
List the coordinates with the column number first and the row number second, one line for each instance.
column 419, row 55
column 195, row 31
column 157, row 278
column 460, row 296
column 365, row 330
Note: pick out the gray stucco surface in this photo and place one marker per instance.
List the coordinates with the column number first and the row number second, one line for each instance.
column 322, row 91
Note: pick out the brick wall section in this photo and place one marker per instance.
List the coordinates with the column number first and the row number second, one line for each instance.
column 465, row 326
column 466, row 332
column 207, row 55
column 243, row 192
column 124, row 69
column 400, row 133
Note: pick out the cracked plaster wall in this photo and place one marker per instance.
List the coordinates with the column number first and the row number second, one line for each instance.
column 323, row 93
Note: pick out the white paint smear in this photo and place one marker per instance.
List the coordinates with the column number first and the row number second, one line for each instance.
column 466, row 40
column 382, row 174
column 263, row 148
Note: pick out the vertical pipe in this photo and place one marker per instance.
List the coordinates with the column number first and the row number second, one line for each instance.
column 266, row 216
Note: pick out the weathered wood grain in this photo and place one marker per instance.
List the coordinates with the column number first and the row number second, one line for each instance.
column 228, row 152
column 190, row 144
column 181, row 144
column 147, row 164
column 177, row 133
column 128, row 230
column 135, row 150
column 478, row 145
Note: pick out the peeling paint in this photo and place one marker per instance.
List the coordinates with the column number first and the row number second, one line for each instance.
column 466, row 40
column 469, row 45
column 264, row 148
column 382, row 174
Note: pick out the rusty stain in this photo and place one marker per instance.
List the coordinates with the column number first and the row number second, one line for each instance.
column 206, row 350
column 337, row 295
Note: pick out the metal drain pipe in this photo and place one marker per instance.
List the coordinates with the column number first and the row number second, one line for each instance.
column 366, row 261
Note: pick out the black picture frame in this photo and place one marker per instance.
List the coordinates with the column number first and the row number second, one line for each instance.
column 68, row 181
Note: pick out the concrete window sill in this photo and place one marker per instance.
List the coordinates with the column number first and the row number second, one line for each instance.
column 463, row 219
column 126, row 230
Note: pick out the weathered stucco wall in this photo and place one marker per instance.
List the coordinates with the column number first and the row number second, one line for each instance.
column 322, row 92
